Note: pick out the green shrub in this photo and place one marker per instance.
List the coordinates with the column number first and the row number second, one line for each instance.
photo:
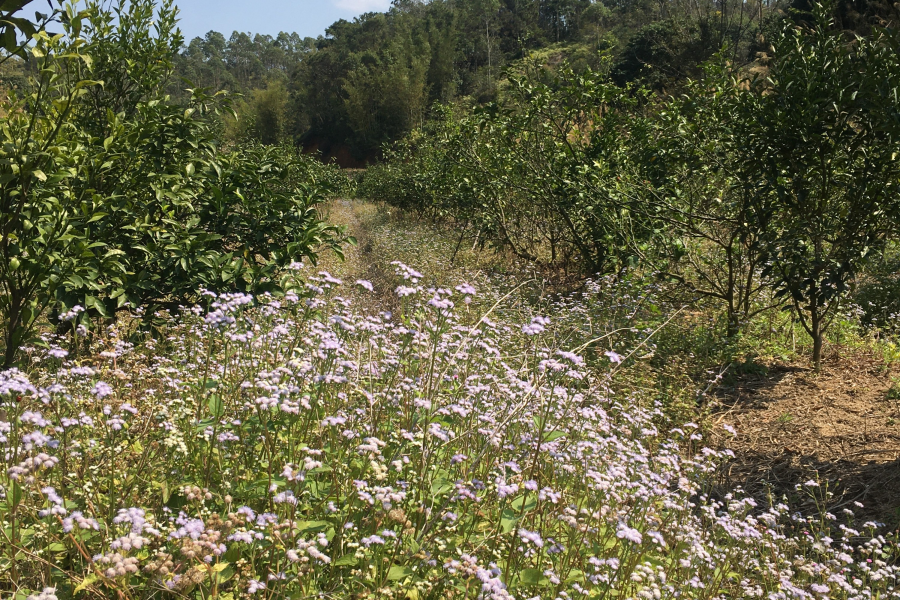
column 113, row 195
column 821, row 138
column 541, row 173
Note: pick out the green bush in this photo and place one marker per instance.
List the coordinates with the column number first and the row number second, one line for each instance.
column 541, row 173
column 415, row 174
column 113, row 195
column 746, row 184
column 820, row 140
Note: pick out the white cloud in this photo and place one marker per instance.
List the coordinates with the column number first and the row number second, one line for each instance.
column 361, row 6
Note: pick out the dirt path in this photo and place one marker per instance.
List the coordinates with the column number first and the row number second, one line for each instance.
column 357, row 217
column 384, row 237
column 367, row 224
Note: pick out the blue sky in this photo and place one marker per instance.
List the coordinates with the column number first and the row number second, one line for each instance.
column 306, row 17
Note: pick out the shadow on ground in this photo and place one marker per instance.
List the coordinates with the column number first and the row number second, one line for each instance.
column 837, row 427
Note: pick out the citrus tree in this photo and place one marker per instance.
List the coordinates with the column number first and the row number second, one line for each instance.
column 820, row 141
column 113, row 195
column 42, row 216
column 694, row 194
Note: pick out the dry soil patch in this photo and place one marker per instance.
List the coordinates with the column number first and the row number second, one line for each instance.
column 838, row 426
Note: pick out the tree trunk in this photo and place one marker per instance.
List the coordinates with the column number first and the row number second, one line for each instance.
column 10, row 354
column 817, row 351
column 734, row 327
column 12, row 342
column 817, row 334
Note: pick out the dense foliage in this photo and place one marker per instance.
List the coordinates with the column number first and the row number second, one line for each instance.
column 203, row 417
column 784, row 176
column 374, row 79
column 539, row 174
column 821, row 137
column 113, row 195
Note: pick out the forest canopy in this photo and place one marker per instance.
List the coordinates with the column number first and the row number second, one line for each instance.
column 368, row 82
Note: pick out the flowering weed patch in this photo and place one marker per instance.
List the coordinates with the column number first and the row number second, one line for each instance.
column 297, row 447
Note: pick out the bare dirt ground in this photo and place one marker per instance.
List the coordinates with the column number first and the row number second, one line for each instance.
column 838, row 427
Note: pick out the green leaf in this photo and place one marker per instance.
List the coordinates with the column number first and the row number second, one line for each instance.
column 525, row 503
column 17, row 494
column 575, row 576
column 348, row 560
column 554, row 435
column 533, row 577
column 441, row 486
column 232, row 555
column 86, row 582
column 226, row 574
column 508, row 520
column 396, row 573
column 215, row 405
column 312, row 526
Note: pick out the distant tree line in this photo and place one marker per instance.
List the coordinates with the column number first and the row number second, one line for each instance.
column 370, row 81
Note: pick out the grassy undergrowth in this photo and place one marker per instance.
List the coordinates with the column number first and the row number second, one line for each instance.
column 437, row 430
